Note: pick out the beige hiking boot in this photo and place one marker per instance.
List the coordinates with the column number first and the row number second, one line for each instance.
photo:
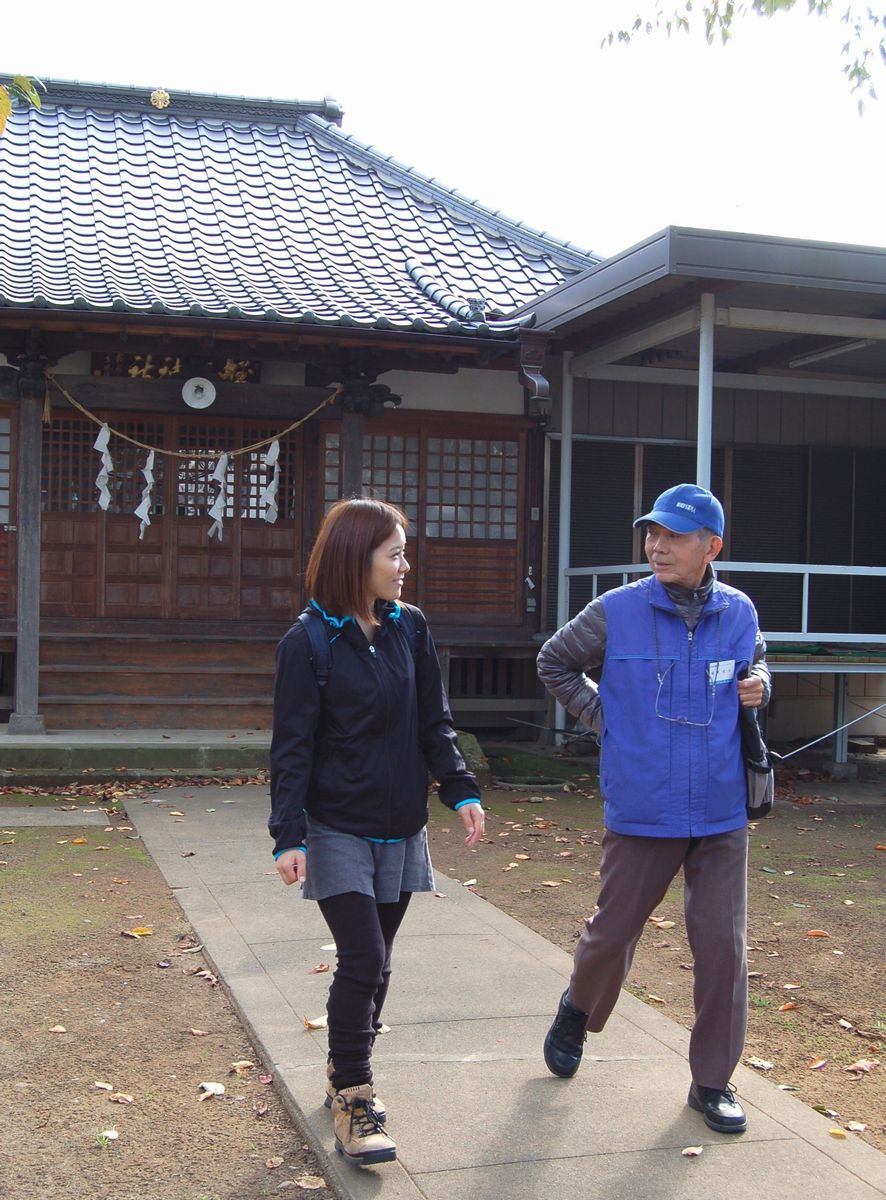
column 359, row 1135
column 377, row 1104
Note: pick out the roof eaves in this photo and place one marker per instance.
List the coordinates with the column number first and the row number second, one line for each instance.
column 566, row 254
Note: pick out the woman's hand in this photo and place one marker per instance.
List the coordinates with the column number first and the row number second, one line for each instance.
column 292, row 866
column 474, row 820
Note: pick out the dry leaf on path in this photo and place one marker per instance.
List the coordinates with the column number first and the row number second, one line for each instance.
column 856, row 1126
column 817, row 933
column 310, row 1183
column 760, row 1064
column 241, row 1067
column 692, row 1151
column 199, row 1032
column 789, row 1007
column 105, row 1087
column 273, row 1163
column 864, row 1066
column 58, row 1029
column 121, row 1098
column 315, row 1023
column 319, row 969
column 655, row 999
column 208, row 1090
column 815, row 1064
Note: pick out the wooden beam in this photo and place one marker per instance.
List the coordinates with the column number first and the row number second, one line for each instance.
column 764, row 320
column 648, row 336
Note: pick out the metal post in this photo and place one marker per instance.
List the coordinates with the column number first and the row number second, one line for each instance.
column 841, row 736
column 705, row 390
column 567, row 395
column 25, row 718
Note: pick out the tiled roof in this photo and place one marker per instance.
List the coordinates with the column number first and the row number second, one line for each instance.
column 224, row 207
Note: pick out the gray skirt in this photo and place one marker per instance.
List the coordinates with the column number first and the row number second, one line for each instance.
column 342, row 862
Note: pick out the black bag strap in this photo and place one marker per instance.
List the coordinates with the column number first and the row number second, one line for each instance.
column 321, row 654
column 321, row 651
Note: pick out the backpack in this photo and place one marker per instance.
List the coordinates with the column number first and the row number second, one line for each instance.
column 321, row 646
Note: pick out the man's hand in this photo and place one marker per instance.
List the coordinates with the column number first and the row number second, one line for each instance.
column 750, row 691
column 292, row 866
column 474, row 820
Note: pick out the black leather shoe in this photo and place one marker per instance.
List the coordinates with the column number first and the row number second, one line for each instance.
column 566, row 1038
column 719, row 1107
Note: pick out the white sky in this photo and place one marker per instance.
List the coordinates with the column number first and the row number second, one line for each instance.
column 515, row 105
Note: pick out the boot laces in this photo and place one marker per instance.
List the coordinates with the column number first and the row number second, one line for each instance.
column 572, row 1025
column 364, row 1119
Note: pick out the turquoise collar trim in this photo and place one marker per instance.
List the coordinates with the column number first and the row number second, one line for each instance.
column 340, row 622
column 335, row 622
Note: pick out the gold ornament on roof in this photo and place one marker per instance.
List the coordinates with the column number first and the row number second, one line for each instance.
column 160, row 98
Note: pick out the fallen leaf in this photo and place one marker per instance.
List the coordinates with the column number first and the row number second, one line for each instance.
column 121, row 1098
column 80, row 841
column 655, row 999
column 319, row 969
column 174, row 812
column 665, row 924
column 310, row 1183
column 119, row 881
column 789, row 1007
column 208, row 1090
column 815, row 1064
column 692, row 1151
column 241, row 1067
column 192, row 949
column 522, row 857
column 199, row 1032
column 273, row 1163
column 316, row 1023
column 759, row 1064
column 856, row 1126
column 817, row 933
column 266, row 1079
column 105, row 1087
column 837, row 1133
column 791, row 987
column 844, row 1024
column 469, row 883
column 110, row 1134
column 549, row 883
column 864, row 1066
column 58, row 1029
column 260, row 1110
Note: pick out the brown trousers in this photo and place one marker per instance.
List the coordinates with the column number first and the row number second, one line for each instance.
column 635, row 874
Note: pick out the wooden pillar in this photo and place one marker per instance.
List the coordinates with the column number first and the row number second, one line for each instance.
column 351, row 454
column 25, row 718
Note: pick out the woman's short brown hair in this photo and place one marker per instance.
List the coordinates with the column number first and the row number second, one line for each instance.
column 338, row 569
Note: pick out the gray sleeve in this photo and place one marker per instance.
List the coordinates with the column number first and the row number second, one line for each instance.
column 760, row 668
column 565, row 658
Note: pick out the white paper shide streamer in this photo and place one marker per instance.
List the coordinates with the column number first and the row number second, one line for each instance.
column 143, row 512
column 269, row 492
column 217, row 512
column 104, row 474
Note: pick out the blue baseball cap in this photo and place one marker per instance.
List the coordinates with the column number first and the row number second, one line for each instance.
column 686, row 508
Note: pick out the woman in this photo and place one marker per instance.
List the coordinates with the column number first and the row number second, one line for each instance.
column 350, row 757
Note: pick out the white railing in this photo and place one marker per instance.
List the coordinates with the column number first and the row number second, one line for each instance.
column 627, row 571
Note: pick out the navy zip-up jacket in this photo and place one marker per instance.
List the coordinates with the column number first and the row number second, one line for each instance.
column 355, row 754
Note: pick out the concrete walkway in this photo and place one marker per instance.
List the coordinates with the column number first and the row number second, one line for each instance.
column 474, row 1112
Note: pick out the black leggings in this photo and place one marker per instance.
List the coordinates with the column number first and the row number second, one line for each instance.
column 364, row 938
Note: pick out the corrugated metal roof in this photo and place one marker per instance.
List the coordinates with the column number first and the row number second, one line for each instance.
column 220, row 207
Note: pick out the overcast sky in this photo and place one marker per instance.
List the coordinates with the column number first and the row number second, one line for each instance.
column 517, row 106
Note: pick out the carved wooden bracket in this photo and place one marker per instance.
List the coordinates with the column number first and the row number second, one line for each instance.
column 532, row 358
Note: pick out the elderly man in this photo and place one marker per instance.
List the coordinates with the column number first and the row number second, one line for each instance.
column 680, row 653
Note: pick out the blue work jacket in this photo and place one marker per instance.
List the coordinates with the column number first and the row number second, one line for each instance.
column 671, row 762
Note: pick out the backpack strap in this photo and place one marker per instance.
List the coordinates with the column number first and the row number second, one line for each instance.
column 321, row 654
column 408, row 625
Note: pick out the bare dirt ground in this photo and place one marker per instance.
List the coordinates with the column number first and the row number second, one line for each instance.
column 106, row 1038
column 817, row 905
column 103, row 1033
